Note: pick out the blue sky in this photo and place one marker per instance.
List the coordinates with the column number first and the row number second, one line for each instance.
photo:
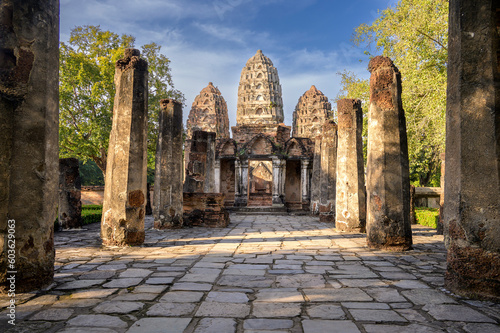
column 211, row 40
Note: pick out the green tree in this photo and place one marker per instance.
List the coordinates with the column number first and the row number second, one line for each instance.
column 414, row 34
column 86, row 91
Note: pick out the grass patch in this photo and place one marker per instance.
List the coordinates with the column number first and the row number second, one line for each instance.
column 427, row 216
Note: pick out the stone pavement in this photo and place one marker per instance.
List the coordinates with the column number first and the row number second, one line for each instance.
column 262, row 274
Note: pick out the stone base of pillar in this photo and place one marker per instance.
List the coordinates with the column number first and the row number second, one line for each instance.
column 327, row 212
column 473, row 272
column 168, row 222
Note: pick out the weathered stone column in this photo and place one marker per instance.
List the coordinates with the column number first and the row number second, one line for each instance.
column 316, row 175
column 350, row 198
column 168, row 193
column 241, row 183
column 472, row 180
column 328, row 174
column 440, row 223
column 126, row 184
column 305, row 181
column 279, row 170
column 217, row 176
column 29, row 92
column 70, row 195
column 209, row 185
column 387, row 182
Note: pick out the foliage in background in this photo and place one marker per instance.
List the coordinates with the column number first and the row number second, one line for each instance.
column 414, row 34
column 86, row 91
column 90, row 174
column 427, row 216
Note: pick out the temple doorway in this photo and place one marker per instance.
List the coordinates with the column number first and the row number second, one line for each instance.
column 293, row 193
column 260, row 183
column 227, row 180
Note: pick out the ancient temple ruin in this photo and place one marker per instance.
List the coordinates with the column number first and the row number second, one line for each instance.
column 261, row 165
column 310, row 113
column 208, row 113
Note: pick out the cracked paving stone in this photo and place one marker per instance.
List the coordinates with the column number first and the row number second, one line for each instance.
column 272, row 310
column 171, row 309
column 413, row 328
column 79, row 284
column 216, row 309
column 337, row 295
column 122, row 283
column 135, row 273
column 216, row 325
column 376, row 315
column 267, row 324
column 97, row 321
column 93, row 293
column 284, row 295
column 118, row 307
column 427, row 296
column 456, row 313
column 160, row 325
column 330, row 326
column 53, row 314
column 227, row 297
column 326, row 311
column 182, row 297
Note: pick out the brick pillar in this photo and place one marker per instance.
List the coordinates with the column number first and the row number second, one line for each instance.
column 350, row 199
column 439, row 228
column 29, row 92
column 328, row 173
column 472, row 180
column 305, row 180
column 316, row 175
column 387, row 182
column 279, row 174
column 167, row 198
column 70, row 186
column 126, row 184
column 241, row 184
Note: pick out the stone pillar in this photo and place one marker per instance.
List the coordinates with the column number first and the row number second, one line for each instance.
column 350, row 198
column 439, row 228
column 70, row 186
column 241, row 183
column 279, row 174
column 126, row 184
column 167, row 198
column 305, row 180
column 29, row 92
column 316, row 173
column 328, row 173
column 472, row 180
column 217, row 176
column 387, row 182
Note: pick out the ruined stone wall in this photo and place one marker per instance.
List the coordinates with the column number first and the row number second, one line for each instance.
column 280, row 134
column 205, row 210
column 208, row 113
column 472, row 179
column 387, row 182
column 259, row 93
column 200, row 158
column 126, row 185
column 29, row 164
column 312, row 110
column 316, row 175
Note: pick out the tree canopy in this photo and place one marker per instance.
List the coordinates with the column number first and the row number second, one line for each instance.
column 86, row 91
column 414, row 34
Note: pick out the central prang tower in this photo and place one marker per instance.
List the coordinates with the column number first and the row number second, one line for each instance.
column 259, row 93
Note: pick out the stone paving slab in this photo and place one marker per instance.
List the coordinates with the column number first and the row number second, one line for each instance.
column 262, row 274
